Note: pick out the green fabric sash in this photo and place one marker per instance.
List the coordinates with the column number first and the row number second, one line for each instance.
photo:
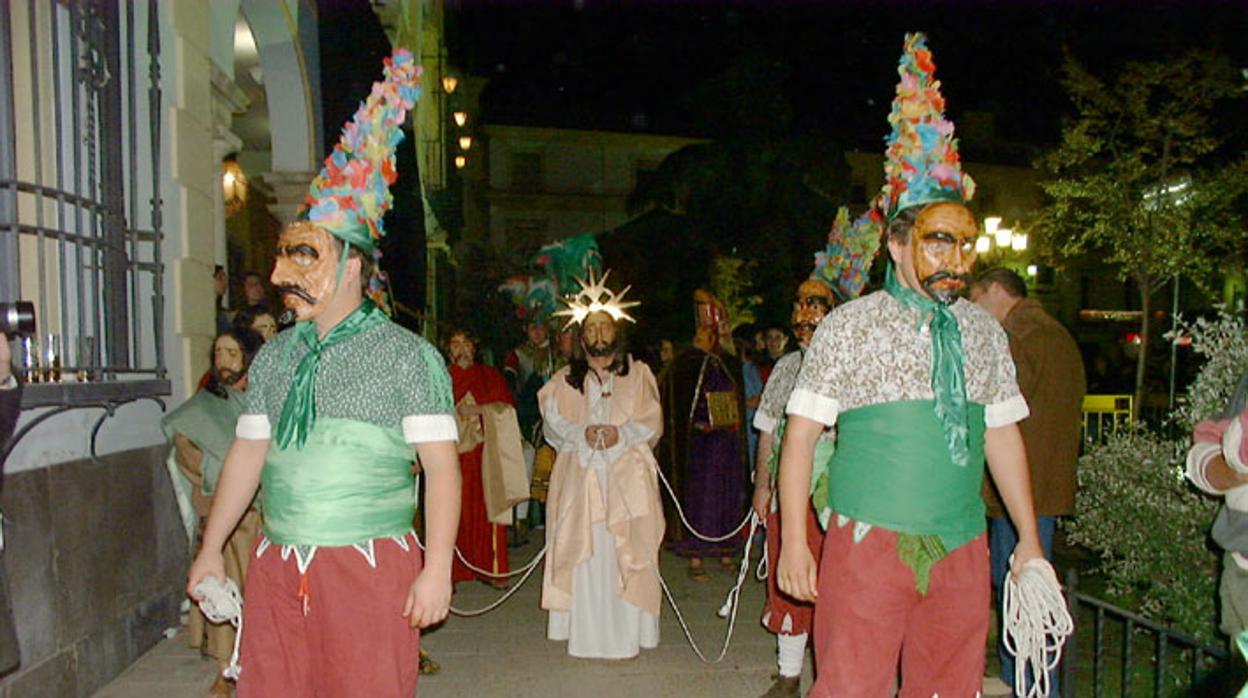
column 948, row 370
column 886, row 473
column 351, row 482
column 208, row 421
column 299, row 409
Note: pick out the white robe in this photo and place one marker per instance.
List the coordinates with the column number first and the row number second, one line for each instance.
column 600, row 624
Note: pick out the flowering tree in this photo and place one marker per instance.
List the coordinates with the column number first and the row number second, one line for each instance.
column 1136, row 176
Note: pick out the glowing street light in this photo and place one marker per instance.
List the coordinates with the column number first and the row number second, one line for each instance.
column 461, row 118
column 1019, row 242
column 465, row 143
column 460, row 162
column 991, row 223
column 1032, row 269
column 449, row 83
column 1003, row 236
column 982, row 244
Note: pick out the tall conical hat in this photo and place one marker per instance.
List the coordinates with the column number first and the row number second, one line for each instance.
column 352, row 191
column 921, row 164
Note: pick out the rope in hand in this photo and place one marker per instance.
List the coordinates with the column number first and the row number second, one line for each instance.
column 1036, row 623
column 223, row 603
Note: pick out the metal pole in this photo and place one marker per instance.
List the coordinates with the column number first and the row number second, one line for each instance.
column 1174, row 346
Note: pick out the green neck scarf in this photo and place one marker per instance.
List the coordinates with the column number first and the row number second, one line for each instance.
column 948, row 370
column 299, row 410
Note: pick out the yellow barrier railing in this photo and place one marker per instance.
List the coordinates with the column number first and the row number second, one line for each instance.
column 1104, row 415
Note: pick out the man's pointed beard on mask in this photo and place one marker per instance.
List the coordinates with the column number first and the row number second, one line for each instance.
column 946, row 294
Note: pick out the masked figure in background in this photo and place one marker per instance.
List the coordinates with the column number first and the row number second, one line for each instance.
column 337, row 408
column 605, row 517
column 201, row 430
column 489, row 457
column 843, row 267
column 920, row 386
column 704, row 452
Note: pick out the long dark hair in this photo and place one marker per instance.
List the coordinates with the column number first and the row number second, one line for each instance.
column 248, row 340
column 578, row 367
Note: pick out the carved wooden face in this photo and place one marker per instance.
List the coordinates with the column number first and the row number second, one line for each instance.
column 305, row 272
column 598, row 335
column 941, row 252
column 227, row 359
column 462, row 349
column 814, row 301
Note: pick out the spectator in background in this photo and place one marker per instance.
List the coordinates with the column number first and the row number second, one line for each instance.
column 751, row 382
column 776, row 340
column 259, row 320
column 254, row 292
column 1051, row 378
column 220, row 287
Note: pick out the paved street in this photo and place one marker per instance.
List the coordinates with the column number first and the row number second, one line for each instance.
column 505, row 652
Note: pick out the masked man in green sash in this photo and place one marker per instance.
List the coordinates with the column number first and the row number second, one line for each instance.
column 921, row 388
column 839, row 274
column 337, row 589
column 201, row 431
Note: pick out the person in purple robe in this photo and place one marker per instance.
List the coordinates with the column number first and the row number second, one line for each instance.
column 703, row 453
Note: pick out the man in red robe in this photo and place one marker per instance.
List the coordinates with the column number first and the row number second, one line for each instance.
column 482, row 542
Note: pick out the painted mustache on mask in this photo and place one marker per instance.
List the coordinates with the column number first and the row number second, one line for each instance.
column 291, row 289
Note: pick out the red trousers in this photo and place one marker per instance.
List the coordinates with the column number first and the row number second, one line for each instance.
column 782, row 614
column 353, row 640
column 869, row 614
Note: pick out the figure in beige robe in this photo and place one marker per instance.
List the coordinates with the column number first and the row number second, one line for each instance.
column 604, row 520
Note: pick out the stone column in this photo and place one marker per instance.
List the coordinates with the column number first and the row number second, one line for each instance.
column 288, row 192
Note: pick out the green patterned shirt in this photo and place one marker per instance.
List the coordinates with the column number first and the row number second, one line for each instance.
column 386, row 376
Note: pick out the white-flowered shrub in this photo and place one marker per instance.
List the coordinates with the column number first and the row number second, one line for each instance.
column 1137, row 512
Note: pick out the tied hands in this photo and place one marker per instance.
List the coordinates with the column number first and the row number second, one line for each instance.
column 469, row 410
column 600, row 437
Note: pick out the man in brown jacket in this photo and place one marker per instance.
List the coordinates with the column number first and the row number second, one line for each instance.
column 1051, row 377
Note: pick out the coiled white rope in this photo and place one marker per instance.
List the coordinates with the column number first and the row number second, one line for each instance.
column 1036, row 623
column 223, row 603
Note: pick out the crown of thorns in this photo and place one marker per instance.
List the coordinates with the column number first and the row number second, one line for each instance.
column 594, row 297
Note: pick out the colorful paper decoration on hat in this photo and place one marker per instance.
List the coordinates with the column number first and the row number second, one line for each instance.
column 846, row 260
column 351, row 193
column 593, row 297
column 921, row 164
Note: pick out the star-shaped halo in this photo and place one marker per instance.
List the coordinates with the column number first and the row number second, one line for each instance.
column 593, row 297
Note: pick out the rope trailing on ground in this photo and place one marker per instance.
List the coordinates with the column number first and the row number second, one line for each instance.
column 1036, row 623
column 223, row 603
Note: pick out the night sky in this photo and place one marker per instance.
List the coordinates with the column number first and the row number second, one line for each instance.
column 805, row 67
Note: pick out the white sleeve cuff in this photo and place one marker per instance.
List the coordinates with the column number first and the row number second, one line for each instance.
column 422, row 428
column 1197, row 458
column 254, row 427
column 1007, row 412
column 764, row 422
column 814, row 406
column 1232, row 438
